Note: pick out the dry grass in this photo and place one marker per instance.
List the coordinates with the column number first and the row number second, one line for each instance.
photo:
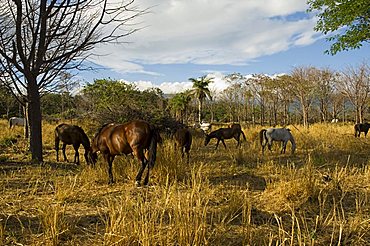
column 319, row 196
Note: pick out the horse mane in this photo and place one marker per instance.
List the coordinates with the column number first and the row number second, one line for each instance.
column 85, row 138
column 100, row 129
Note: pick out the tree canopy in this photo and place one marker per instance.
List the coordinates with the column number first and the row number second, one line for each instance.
column 346, row 22
column 201, row 91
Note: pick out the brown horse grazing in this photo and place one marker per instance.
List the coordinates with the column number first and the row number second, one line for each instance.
column 74, row 135
column 225, row 133
column 183, row 141
column 361, row 128
column 132, row 137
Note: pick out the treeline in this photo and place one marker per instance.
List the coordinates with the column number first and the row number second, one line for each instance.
column 304, row 96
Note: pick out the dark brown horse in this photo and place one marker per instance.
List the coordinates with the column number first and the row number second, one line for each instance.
column 361, row 127
column 225, row 133
column 238, row 130
column 72, row 135
column 132, row 137
column 183, row 141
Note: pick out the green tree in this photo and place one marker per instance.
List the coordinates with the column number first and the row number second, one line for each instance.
column 179, row 105
column 201, row 91
column 108, row 100
column 346, row 21
column 8, row 103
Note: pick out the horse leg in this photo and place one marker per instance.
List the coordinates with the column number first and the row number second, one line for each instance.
column 187, row 151
column 218, row 141
column 109, row 159
column 146, row 180
column 141, row 157
column 223, row 142
column 57, row 148
column 182, row 152
column 64, row 152
column 283, row 147
column 77, row 155
column 237, row 138
column 269, row 144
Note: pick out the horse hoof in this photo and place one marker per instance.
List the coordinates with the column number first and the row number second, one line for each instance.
column 137, row 183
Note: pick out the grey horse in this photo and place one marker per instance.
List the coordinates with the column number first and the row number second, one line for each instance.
column 267, row 136
column 16, row 121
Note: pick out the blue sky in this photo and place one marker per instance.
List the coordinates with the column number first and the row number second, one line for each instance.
column 183, row 39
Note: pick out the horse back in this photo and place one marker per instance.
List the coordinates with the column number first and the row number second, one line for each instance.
column 222, row 133
column 124, row 138
column 279, row 134
column 71, row 134
column 16, row 121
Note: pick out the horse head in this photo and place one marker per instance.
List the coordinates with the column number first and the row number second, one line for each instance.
column 207, row 138
column 91, row 157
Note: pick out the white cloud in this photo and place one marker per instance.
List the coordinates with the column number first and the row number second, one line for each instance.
column 209, row 32
column 166, row 87
column 218, row 85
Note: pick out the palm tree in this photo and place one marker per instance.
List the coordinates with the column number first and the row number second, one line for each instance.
column 179, row 104
column 200, row 91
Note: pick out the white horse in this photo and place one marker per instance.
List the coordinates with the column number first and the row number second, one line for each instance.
column 267, row 136
column 16, row 121
column 205, row 126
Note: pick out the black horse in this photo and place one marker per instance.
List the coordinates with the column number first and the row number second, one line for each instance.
column 225, row 133
column 74, row 135
column 361, row 127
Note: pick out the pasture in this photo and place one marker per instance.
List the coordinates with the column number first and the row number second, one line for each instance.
column 234, row 196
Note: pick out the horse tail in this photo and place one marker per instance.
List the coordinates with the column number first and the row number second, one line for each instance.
column 155, row 138
column 293, row 143
column 241, row 131
column 188, row 140
column 262, row 136
column 357, row 129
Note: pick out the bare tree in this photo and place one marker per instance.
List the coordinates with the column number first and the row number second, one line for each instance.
column 282, row 83
column 302, row 86
column 237, row 93
column 258, row 86
column 354, row 83
column 324, row 80
column 41, row 38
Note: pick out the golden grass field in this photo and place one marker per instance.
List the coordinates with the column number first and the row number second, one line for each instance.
column 318, row 196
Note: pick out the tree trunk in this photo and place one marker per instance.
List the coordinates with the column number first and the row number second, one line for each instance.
column 26, row 121
column 200, row 111
column 262, row 114
column 305, row 116
column 34, row 116
column 253, row 114
column 358, row 115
